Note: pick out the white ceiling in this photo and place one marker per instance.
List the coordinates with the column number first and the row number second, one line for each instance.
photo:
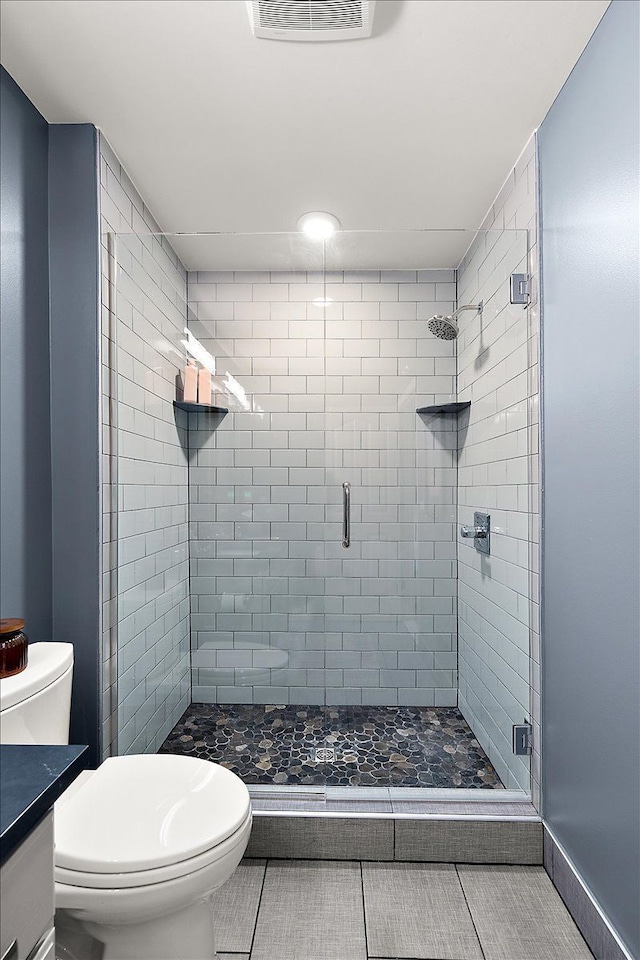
column 415, row 127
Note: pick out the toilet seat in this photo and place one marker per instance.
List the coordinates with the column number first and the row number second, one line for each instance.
column 146, row 819
column 144, row 878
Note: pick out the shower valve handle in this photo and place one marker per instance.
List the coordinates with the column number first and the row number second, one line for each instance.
column 480, row 532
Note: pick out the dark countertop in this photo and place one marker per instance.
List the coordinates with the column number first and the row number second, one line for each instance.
column 31, row 780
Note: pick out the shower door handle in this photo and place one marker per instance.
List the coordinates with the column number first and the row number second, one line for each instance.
column 346, row 514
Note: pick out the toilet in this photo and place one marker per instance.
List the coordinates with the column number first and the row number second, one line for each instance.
column 142, row 842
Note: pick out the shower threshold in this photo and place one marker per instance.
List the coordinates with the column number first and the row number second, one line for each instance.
column 395, row 802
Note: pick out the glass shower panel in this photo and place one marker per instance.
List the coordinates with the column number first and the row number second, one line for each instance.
column 497, row 359
column 151, row 467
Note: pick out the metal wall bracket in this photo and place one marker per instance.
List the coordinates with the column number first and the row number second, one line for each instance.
column 522, row 738
column 520, row 288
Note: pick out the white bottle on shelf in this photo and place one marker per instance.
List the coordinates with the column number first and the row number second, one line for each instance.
column 190, row 392
column 204, row 386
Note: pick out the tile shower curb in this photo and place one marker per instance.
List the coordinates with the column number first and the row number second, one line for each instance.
column 399, row 837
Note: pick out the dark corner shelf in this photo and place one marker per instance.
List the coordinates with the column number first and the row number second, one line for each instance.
column 199, row 407
column 445, row 407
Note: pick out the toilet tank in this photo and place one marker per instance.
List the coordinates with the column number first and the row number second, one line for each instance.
column 35, row 705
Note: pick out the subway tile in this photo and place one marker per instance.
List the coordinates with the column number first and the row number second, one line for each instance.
column 418, row 291
column 401, row 361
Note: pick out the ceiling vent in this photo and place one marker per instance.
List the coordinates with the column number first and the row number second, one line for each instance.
column 311, row 19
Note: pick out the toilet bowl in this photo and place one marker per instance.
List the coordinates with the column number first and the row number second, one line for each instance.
column 141, row 843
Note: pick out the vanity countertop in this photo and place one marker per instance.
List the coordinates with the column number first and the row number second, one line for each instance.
column 32, row 777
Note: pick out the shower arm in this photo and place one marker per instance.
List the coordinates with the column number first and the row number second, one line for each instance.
column 469, row 306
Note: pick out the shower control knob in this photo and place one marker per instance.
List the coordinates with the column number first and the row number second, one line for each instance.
column 473, row 532
column 480, row 532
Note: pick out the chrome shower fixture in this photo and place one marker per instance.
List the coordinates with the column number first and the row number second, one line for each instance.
column 446, row 328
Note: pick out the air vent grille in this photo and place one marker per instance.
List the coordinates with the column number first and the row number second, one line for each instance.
column 311, row 19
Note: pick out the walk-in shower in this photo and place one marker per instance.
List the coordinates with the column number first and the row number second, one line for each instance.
column 294, row 599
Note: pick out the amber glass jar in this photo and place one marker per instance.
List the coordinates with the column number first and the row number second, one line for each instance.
column 14, row 648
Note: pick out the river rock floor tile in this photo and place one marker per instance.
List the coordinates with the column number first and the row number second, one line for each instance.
column 335, row 745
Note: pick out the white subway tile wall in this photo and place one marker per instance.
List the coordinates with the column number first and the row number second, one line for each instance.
column 498, row 474
column 143, row 311
column 280, row 611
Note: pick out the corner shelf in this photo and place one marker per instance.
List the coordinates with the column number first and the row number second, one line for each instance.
column 446, row 407
column 199, row 407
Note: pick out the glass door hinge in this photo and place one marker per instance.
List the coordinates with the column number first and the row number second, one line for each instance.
column 520, row 288
column 522, row 738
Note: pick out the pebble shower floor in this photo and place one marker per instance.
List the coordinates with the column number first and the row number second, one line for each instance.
column 336, row 745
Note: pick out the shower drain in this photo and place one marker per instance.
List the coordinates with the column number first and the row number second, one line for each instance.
column 339, row 753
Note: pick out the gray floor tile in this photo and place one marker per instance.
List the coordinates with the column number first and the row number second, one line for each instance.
column 468, row 841
column 321, row 838
column 519, row 915
column 235, row 907
column 232, row 956
column 310, row 911
column 417, row 910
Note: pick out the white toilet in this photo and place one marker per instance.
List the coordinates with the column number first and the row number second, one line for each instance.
column 142, row 842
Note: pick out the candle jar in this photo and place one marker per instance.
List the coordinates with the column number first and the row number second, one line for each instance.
column 13, row 648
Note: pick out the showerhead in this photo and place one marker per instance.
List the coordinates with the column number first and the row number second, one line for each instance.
column 446, row 328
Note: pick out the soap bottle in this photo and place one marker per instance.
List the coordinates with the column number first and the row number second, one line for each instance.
column 204, row 386
column 190, row 382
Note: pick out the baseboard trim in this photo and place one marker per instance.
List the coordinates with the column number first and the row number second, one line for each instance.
column 588, row 915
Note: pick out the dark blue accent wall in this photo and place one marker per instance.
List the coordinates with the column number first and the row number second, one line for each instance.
column 589, row 168
column 75, row 414
column 25, row 451
column 49, row 433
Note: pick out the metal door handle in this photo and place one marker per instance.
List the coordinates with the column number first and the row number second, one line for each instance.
column 346, row 514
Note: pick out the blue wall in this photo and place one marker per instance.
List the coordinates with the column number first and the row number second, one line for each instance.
column 589, row 149
column 25, row 452
column 75, row 414
column 49, row 432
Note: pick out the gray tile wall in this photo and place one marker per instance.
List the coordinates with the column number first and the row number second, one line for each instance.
column 328, row 393
column 498, row 474
column 144, row 293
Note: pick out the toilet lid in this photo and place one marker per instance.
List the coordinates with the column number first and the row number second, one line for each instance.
column 144, row 812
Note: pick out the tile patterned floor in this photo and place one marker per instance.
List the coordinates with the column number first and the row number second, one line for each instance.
column 371, row 746
column 329, row 910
